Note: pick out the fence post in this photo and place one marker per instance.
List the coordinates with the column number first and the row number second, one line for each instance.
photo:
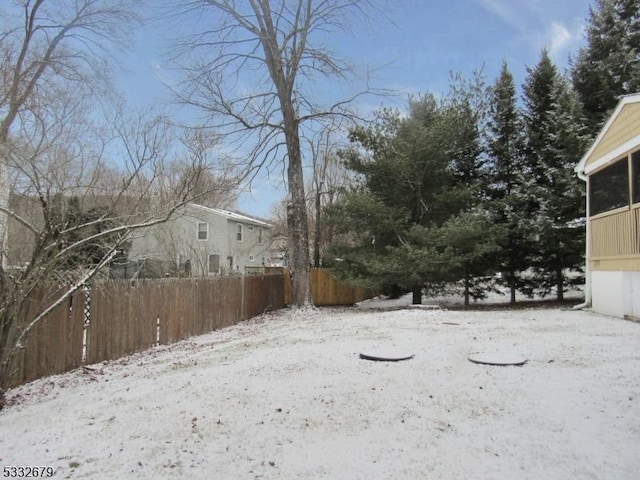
column 244, row 300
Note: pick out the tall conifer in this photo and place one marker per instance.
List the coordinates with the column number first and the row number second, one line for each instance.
column 609, row 65
column 554, row 143
column 507, row 190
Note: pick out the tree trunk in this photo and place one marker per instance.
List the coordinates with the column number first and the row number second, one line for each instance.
column 466, row 291
column 417, row 295
column 297, row 214
column 512, row 286
column 560, row 285
column 4, row 203
column 316, row 237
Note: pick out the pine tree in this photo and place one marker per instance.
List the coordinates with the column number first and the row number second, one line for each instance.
column 561, row 212
column 419, row 174
column 466, row 249
column 538, row 104
column 405, row 179
column 553, row 146
column 609, row 65
column 509, row 200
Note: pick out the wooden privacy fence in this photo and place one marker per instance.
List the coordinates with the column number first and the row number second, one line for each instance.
column 118, row 318
column 327, row 290
column 54, row 345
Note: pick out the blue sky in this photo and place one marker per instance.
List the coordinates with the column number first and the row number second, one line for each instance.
column 419, row 42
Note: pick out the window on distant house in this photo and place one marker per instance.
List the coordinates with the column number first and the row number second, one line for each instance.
column 635, row 179
column 214, row 264
column 239, row 232
column 203, row 231
column 260, row 239
column 609, row 188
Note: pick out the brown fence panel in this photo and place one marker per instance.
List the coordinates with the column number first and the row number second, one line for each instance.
column 54, row 344
column 328, row 290
column 145, row 313
column 204, row 298
column 229, row 300
column 263, row 293
column 176, row 312
column 109, row 304
column 122, row 321
column 126, row 317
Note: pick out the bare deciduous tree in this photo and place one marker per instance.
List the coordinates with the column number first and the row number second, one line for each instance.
column 82, row 221
column 254, row 70
column 217, row 182
column 328, row 176
column 80, row 186
column 44, row 44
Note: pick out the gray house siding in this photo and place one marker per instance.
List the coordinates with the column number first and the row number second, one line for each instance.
column 205, row 241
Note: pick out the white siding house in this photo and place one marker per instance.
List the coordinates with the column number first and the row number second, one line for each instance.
column 200, row 241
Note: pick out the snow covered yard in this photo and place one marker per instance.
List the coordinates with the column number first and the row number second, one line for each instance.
column 287, row 396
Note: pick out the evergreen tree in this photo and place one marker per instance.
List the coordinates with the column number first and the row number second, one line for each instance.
column 406, row 185
column 553, row 146
column 466, row 248
column 510, row 203
column 419, row 173
column 561, row 233
column 609, row 65
column 538, row 104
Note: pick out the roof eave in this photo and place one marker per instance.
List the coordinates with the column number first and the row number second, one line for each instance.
column 625, row 100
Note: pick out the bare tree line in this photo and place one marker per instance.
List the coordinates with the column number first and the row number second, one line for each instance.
column 79, row 172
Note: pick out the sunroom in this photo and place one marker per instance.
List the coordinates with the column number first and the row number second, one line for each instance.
column 611, row 169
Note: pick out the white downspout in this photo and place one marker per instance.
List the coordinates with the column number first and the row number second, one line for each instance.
column 587, row 271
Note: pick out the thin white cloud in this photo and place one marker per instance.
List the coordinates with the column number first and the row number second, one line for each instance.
column 505, row 10
column 540, row 25
column 560, row 39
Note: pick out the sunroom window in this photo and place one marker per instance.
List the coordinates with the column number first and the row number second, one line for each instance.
column 635, row 179
column 609, row 188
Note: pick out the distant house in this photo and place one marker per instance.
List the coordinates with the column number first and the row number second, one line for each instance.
column 611, row 168
column 278, row 251
column 199, row 241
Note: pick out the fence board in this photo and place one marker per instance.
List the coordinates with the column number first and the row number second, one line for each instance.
column 126, row 317
column 328, row 290
column 262, row 293
column 54, row 345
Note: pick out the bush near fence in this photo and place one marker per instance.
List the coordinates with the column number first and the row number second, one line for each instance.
column 123, row 317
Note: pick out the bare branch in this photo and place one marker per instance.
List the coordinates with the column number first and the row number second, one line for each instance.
column 252, row 70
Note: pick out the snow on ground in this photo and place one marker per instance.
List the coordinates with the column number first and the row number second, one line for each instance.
column 286, row 396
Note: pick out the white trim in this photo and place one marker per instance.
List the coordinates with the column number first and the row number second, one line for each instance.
column 614, row 155
column 231, row 215
column 624, row 101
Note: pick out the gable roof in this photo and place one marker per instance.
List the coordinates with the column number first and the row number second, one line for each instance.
column 620, row 134
column 229, row 215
